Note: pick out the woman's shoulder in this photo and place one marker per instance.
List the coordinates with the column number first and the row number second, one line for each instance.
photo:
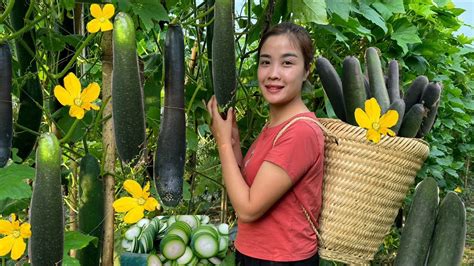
column 302, row 126
column 305, row 122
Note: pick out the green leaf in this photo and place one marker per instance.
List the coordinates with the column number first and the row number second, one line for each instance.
column 229, row 259
column 153, row 117
column 456, row 102
column 458, row 110
column 51, row 40
column 65, row 123
column 396, row 6
column 340, row 7
column 191, row 139
column 8, row 206
column 12, row 181
column 422, row 9
column 309, row 11
column 387, row 8
column 68, row 4
column 451, row 172
column 339, row 35
column 436, row 153
column 456, row 92
column 186, row 191
column 445, row 161
column 404, row 33
column 383, row 10
column 77, row 240
column 354, row 26
column 469, row 105
column 449, row 123
column 441, row 3
column 372, row 15
column 149, row 10
column 466, row 50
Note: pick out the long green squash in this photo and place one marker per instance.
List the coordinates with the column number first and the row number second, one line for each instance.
column 412, row 121
column 332, row 85
column 376, row 78
column 419, row 226
column 31, row 95
column 223, row 52
column 447, row 246
column 353, row 87
column 127, row 93
column 171, row 151
column 393, row 81
column 209, row 37
column 91, row 208
column 6, row 114
column 399, row 106
column 46, row 209
column 414, row 92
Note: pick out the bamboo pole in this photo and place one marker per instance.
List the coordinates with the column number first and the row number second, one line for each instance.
column 108, row 141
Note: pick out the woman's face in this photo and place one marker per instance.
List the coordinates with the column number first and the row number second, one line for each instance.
column 281, row 71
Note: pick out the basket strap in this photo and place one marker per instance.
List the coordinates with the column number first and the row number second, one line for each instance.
column 327, row 133
column 306, row 214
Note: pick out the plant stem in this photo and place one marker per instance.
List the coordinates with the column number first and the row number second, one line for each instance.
column 200, row 16
column 200, row 25
column 69, row 132
column 190, row 105
column 28, row 130
column 7, row 11
column 74, row 57
column 26, row 28
column 108, row 162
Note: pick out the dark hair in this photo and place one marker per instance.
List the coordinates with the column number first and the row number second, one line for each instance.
column 301, row 37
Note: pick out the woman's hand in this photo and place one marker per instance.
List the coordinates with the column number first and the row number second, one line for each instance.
column 223, row 130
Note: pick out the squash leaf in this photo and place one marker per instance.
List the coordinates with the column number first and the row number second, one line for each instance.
column 13, row 181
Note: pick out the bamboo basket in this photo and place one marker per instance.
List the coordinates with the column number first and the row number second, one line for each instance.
column 364, row 187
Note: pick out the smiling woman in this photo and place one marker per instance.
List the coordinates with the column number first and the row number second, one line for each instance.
column 276, row 189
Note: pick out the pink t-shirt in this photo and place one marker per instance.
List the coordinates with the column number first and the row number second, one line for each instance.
column 283, row 233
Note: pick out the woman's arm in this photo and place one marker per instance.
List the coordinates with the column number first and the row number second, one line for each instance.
column 270, row 183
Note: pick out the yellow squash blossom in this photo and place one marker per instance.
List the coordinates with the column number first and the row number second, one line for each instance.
column 135, row 206
column 101, row 19
column 371, row 120
column 14, row 235
column 72, row 95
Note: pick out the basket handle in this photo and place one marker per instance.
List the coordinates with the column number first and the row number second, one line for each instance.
column 326, row 131
column 306, row 214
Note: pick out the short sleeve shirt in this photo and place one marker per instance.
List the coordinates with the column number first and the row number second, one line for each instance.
column 283, row 233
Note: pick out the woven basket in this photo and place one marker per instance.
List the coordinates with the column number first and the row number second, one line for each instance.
column 364, row 186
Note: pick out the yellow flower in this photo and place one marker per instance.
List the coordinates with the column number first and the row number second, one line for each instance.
column 101, row 19
column 13, row 241
column 135, row 206
column 458, row 189
column 371, row 120
column 72, row 95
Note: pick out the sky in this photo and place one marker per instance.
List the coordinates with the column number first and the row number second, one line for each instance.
column 467, row 16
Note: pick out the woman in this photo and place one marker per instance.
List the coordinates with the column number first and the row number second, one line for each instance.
column 272, row 187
